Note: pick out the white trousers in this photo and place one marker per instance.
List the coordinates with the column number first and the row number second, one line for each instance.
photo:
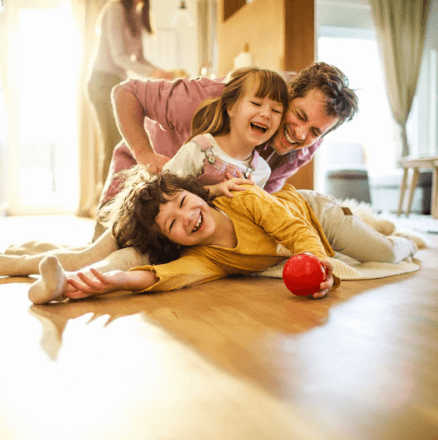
column 350, row 236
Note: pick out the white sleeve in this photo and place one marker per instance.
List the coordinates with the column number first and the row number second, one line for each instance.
column 261, row 173
column 188, row 161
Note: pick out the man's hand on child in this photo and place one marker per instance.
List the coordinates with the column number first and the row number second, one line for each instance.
column 153, row 162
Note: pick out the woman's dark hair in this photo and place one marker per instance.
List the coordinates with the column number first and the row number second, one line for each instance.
column 132, row 213
column 129, row 7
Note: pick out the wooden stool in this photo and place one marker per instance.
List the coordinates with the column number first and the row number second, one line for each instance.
column 416, row 165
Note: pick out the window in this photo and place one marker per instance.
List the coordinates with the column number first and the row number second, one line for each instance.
column 355, row 52
column 41, row 107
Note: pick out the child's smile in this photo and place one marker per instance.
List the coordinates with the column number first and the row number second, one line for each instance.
column 199, row 223
column 186, row 219
column 253, row 121
column 259, row 127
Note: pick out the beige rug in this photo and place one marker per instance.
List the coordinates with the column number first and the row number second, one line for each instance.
column 347, row 268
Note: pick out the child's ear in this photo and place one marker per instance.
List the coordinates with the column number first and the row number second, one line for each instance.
column 231, row 111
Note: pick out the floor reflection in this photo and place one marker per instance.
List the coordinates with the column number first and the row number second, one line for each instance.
column 55, row 317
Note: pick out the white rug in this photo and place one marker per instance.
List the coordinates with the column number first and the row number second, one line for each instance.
column 420, row 223
column 349, row 269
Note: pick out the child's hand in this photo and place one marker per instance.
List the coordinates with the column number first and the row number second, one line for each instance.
column 326, row 285
column 232, row 184
column 103, row 283
column 225, row 188
column 248, row 178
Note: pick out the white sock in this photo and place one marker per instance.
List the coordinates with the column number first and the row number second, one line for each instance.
column 52, row 284
column 418, row 239
column 405, row 247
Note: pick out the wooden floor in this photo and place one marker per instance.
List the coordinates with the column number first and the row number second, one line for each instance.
column 239, row 358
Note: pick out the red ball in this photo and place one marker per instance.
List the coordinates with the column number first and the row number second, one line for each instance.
column 303, row 274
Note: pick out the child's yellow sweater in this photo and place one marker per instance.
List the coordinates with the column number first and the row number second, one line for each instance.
column 262, row 222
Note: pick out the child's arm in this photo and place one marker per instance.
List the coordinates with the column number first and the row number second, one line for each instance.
column 185, row 271
column 105, row 283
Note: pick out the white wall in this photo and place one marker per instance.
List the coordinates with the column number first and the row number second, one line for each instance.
column 344, row 13
column 186, row 56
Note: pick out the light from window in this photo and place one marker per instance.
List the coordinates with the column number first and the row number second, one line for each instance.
column 47, row 64
column 373, row 126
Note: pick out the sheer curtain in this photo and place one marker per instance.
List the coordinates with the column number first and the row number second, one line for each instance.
column 85, row 14
column 401, row 28
column 3, row 122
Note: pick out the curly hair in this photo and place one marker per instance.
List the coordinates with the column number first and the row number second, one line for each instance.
column 341, row 100
column 212, row 115
column 132, row 213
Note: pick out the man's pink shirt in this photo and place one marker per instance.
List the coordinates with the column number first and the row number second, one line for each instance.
column 169, row 108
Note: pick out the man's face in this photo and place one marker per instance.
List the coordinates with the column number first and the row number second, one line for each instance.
column 305, row 122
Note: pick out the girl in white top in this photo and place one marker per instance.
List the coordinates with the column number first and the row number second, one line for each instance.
column 226, row 131
column 203, row 157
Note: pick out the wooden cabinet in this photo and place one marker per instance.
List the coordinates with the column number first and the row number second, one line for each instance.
column 280, row 35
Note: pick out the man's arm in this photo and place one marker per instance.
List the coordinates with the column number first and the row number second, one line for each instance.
column 130, row 116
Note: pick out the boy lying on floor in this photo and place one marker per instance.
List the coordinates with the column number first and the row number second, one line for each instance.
column 190, row 239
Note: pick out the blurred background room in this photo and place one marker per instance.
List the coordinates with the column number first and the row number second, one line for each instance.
column 48, row 142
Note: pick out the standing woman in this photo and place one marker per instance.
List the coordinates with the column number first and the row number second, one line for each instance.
column 119, row 50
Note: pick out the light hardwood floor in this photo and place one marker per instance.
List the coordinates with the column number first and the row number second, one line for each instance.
column 234, row 359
